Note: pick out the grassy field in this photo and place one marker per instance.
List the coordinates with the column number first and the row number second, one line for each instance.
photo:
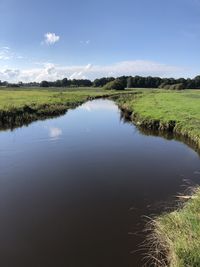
column 18, row 98
column 176, row 111
column 20, row 106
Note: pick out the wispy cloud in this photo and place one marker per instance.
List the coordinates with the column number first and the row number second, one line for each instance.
column 52, row 72
column 82, row 74
column 6, row 53
column 51, row 38
column 87, row 42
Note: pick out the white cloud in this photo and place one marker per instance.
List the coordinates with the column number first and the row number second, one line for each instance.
column 9, row 75
column 51, row 38
column 52, row 72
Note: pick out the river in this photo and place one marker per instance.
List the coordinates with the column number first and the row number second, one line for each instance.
column 75, row 190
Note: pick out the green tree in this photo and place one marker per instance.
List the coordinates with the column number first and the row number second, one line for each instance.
column 44, row 84
column 129, row 82
column 65, row 82
column 115, row 85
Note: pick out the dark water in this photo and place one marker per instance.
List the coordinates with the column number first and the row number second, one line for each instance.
column 73, row 189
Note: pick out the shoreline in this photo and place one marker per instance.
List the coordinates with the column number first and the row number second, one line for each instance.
column 23, row 116
column 158, row 128
column 17, row 117
column 166, row 231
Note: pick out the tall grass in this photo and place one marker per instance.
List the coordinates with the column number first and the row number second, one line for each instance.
column 175, row 237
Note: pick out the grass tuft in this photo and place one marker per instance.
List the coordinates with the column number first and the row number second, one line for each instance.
column 174, row 239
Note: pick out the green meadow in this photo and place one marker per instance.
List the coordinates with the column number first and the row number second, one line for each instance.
column 164, row 107
column 23, row 105
column 36, row 97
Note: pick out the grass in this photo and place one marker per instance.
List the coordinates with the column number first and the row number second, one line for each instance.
column 177, row 111
column 175, row 241
column 19, row 98
column 20, row 106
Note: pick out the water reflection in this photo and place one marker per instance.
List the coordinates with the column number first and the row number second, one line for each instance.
column 55, row 132
column 98, row 106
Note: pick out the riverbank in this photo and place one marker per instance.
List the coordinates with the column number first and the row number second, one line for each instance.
column 176, row 112
column 20, row 107
column 175, row 236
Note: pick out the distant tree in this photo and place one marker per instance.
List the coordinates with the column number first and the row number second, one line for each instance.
column 83, row 83
column 197, row 82
column 115, row 85
column 20, row 84
column 13, row 85
column 123, row 80
column 179, row 86
column 58, row 83
column 44, row 84
column 176, row 86
column 103, row 81
column 65, row 82
column 190, row 83
column 5, row 83
column 162, row 85
column 180, row 80
column 157, row 81
column 129, row 82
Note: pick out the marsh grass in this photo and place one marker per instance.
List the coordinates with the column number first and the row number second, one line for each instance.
column 173, row 239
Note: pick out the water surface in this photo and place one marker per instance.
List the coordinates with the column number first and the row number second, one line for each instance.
column 73, row 190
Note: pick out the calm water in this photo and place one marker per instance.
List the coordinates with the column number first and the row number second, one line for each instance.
column 73, row 189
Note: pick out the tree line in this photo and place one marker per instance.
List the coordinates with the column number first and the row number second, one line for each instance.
column 125, row 81
column 151, row 82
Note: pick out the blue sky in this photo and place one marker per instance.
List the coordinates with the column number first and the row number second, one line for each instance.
column 43, row 39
